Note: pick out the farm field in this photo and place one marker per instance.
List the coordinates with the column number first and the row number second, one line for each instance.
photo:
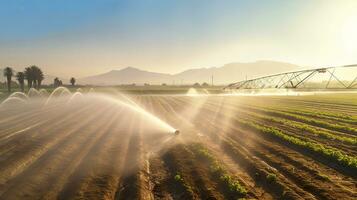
column 229, row 147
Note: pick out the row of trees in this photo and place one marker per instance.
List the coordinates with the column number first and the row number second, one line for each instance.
column 57, row 82
column 33, row 75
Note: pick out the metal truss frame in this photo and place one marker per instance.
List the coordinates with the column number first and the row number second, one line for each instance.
column 294, row 80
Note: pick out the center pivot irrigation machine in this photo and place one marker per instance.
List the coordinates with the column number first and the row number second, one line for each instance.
column 330, row 78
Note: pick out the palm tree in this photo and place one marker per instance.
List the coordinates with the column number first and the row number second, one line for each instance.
column 8, row 73
column 73, row 81
column 34, row 76
column 40, row 78
column 56, row 82
column 29, row 76
column 35, row 72
column 20, row 76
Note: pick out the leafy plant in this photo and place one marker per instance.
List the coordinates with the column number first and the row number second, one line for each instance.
column 328, row 152
column 220, row 172
column 306, row 127
column 233, row 185
column 178, row 178
column 311, row 121
column 271, row 177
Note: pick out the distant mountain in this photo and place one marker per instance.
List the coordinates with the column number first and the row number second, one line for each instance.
column 127, row 76
column 221, row 75
column 236, row 71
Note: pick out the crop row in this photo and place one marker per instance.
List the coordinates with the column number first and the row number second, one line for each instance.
column 311, row 121
column 330, row 116
column 314, row 122
column 320, row 113
column 258, row 170
column 304, row 127
column 183, row 184
column 218, row 171
column 308, row 128
column 328, row 152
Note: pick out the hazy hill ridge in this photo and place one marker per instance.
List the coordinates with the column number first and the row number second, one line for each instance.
column 221, row 75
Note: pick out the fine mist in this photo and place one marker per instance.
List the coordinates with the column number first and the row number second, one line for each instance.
column 76, row 127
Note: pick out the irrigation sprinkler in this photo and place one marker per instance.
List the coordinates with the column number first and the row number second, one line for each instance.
column 300, row 80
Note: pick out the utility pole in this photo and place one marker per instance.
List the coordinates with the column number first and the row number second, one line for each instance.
column 212, row 80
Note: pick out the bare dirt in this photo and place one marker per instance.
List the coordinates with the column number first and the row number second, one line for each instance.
column 97, row 151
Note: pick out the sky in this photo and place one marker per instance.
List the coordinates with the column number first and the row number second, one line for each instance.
column 86, row 37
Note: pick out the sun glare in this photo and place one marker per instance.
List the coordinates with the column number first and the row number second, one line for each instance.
column 349, row 34
column 178, row 99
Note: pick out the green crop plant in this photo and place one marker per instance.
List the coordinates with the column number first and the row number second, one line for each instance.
column 341, row 118
column 314, row 113
column 328, row 152
column 233, row 185
column 311, row 121
column 271, row 177
column 305, row 127
column 180, row 180
column 220, row 172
